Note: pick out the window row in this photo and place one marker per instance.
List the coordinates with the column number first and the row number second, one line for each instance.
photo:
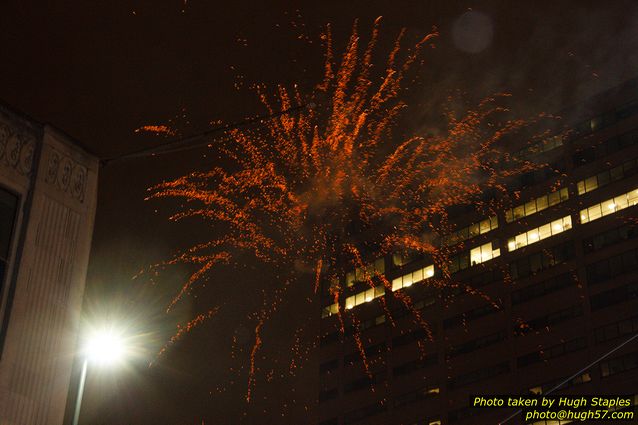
column 415, row 396
column 470, row 231
column 545, row 259
column 543, row 288
column 536, row 205
column 364, row 296
column 413, row 365
column 359, row 414
column 619, row 364
column 612, row 266
column 476, row 344
column 363, row 274
column 467, row 316
column 616, row 329
column 413, row 277
column 370, row 351
column 475, row 256
column 534, row 177
column 552, row 352
column 552, row 385
column 592, row 153
column 479, row 375
column 546, row 145
column 538, row 234
column 610, row 206
column 548, row 320
column 610, row 237
column 364, row 382
column 614, row 296
column 601, row 179
column 410, row 337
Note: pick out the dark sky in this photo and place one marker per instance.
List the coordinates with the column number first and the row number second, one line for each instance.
column 99, row 70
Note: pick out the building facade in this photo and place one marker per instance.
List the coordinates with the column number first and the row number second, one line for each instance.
column 559, row 273
column 48, row 191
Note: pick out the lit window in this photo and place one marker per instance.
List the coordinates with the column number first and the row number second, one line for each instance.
column 349, row 279
column 540, row 233
column 330, row 310
column 397, row 283
column 350, row 302
column 609, row 206
column 483, row 253
column 411, row 278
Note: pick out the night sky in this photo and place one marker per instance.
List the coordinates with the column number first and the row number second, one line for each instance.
column 100, row 70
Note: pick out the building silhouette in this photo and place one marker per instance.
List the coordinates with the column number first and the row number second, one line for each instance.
column 48, row 191
column 559, row 268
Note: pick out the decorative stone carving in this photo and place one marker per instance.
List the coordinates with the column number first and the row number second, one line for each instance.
column 16, row 149
column 66, row 174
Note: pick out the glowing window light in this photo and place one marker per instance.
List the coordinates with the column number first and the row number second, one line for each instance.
column 609, row 206
column 534, row 235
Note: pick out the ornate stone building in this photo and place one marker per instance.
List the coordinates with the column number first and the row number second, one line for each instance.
column 48, row 191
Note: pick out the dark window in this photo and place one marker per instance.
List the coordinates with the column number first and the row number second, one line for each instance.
column 542, row 260
column 464, row 413
column 543, row 288
column 548, row 320
column 413, row 365
column 362, row 413
column 414, row 396
column 614, row 296
column 416, row 335
column 613, row 266
column 616, row 329
column 610, row 237
column 476, row 344
column 370, row 351
column 552, row 352
column 619, row 364
column 8, row 210
column 470, row 315
column 364, row 382
column 479, row 375
column 590, row 153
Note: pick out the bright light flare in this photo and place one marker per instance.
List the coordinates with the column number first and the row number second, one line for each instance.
column 105, row 347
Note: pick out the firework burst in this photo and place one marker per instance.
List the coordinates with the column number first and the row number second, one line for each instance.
column 323, row 191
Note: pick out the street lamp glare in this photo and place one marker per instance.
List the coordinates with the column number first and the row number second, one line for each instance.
column 105, row 347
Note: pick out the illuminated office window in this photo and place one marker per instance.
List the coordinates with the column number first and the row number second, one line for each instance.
column 364, row 296
column 610, row 206
column 413, row 277
column 536, row 205
column 330, row 310
column 483, row 253
column 539, row 233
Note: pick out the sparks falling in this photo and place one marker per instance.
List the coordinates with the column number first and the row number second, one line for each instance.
column 321, row 192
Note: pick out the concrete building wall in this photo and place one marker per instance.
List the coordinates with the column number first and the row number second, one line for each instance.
column 42, row 294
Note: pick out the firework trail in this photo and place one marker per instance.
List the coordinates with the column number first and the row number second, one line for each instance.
column 333, row 185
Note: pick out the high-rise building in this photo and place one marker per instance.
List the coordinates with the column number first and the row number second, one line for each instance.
column 559, row 273
column 48, row 191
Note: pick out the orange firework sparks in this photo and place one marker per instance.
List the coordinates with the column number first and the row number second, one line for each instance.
column 158, row 130
column 324, row 188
